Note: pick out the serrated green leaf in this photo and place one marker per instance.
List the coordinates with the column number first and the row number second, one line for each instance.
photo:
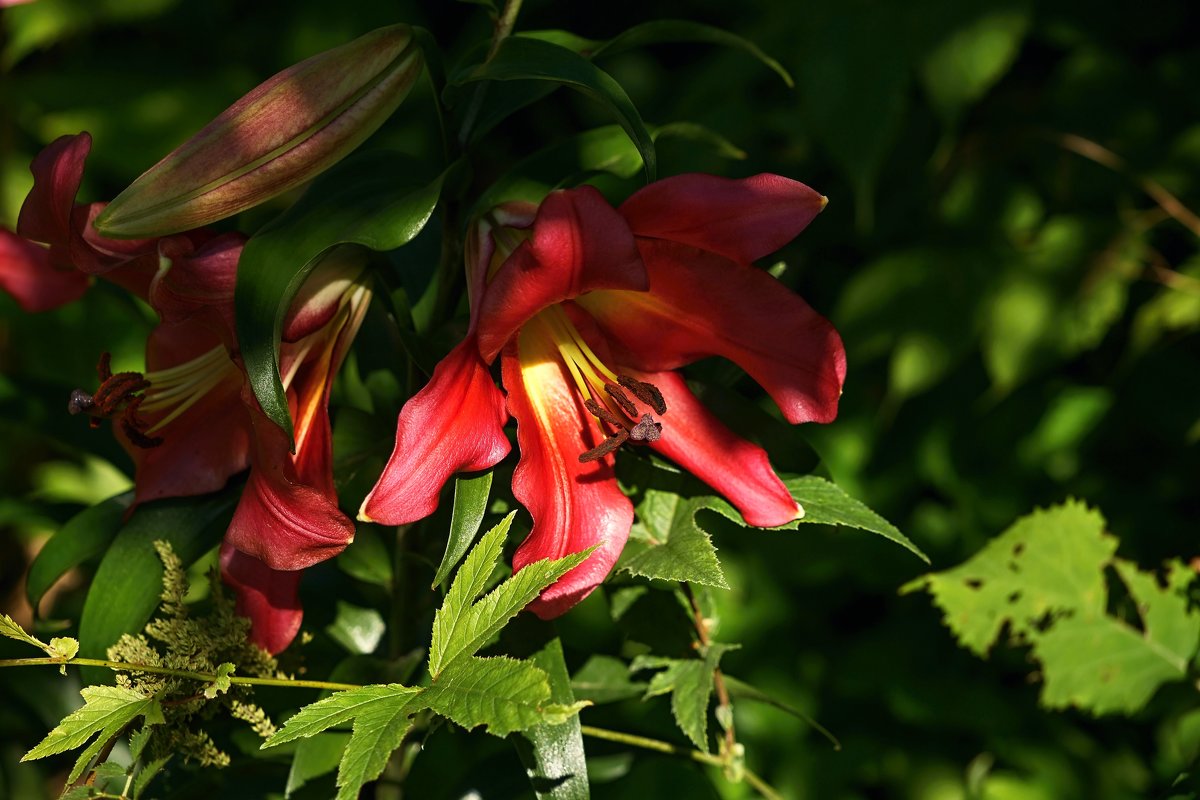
column 825, row 503
column 10, row 629
column 690, row 684
column 106, row 711
column 146, row 774
column 368, row 200
column 503, row 694
column 668, row 544
column 554, row 755
column 84, row 536
column 125, row 590
column 339, row 709
column 460, row 626
column 471, row 494
column 604, row 679
column 1044, row 578
column 109, row 776
column 523, row 59
column 377, row 732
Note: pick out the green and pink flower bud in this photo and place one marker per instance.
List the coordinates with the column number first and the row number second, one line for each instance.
column 283, row 133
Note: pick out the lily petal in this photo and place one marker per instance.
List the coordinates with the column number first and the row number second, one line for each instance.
column 696, row 440
column 27, row 273
column 57, row 172
column 700, row 304
column 743, row 220
column 574, row 505
column 270, row 598
column 454, row 424
column 207, row 443
column 579, row 243
column 286, row 524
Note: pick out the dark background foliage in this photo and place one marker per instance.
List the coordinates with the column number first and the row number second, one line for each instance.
column 1020, row 317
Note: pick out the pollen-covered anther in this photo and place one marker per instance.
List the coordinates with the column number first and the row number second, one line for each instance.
column 646, row 430
column 610, row 444
column 602, row 413
column 645, row 391
column 621, row 399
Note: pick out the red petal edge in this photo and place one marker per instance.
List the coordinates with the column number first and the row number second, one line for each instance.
column 270, row 598
column 454, row 424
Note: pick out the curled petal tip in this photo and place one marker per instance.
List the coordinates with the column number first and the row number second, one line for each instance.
column 824, row 202
column 799, row 512
column 283, row 133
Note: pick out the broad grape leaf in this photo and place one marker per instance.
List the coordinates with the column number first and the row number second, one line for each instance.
column 1045, row 579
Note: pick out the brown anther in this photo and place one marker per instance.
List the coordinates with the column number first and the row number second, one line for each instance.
column 647, row 430
column 605, row 447
column 648, row 393
column 621, row 399
column 80, row 402
column 602, row 413
column 117, row 391
column 104, row 367
column 130, row 425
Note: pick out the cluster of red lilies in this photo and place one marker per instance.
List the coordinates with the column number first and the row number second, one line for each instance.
column 589, row 310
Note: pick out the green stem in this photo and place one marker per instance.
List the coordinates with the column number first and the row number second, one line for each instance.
column 177, row 673
column 660, row 746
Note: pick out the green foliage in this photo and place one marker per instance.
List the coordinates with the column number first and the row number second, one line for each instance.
column 553, row 754
column 502, row 694
column 105, row 713
column 368, row 200
column 464, row 623
column 215, row 643
column 667, row 542
column 471, row 494
column 690, row 684
column 1045, row 578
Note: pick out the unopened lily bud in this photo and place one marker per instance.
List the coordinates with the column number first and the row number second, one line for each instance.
column 283, row 133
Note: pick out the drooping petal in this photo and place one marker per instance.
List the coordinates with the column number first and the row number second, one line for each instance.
column 573, row 505
column 743, row 220
column 198, row 283
column 27, row 274
column 208, row 441
column 739, row 470
column 321, row 295
column 57, row 171
column 280, row 520
column 700, row 304
column 579, row 243
column 454, row 424
column 269, row 598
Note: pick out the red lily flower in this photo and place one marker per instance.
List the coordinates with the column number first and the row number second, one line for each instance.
column 75, row 251
column 590, row 310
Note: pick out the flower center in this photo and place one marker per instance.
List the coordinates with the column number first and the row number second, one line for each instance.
column 606, row 393
column 171, row 391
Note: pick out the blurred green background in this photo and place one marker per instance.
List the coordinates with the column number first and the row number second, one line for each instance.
column 1018, row 294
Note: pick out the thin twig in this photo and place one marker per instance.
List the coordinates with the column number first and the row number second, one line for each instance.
column 660, row 746
column 1158, row 193
column 123, row 666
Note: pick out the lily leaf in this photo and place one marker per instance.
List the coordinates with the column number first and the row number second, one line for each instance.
column 368, row 200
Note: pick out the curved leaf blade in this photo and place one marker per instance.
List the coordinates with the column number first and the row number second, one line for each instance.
column 83, row 536
column 368, row 200
column 524, row 59
column 471, row 494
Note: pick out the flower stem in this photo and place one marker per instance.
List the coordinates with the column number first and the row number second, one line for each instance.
column 177, row 673
column 660, row 746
